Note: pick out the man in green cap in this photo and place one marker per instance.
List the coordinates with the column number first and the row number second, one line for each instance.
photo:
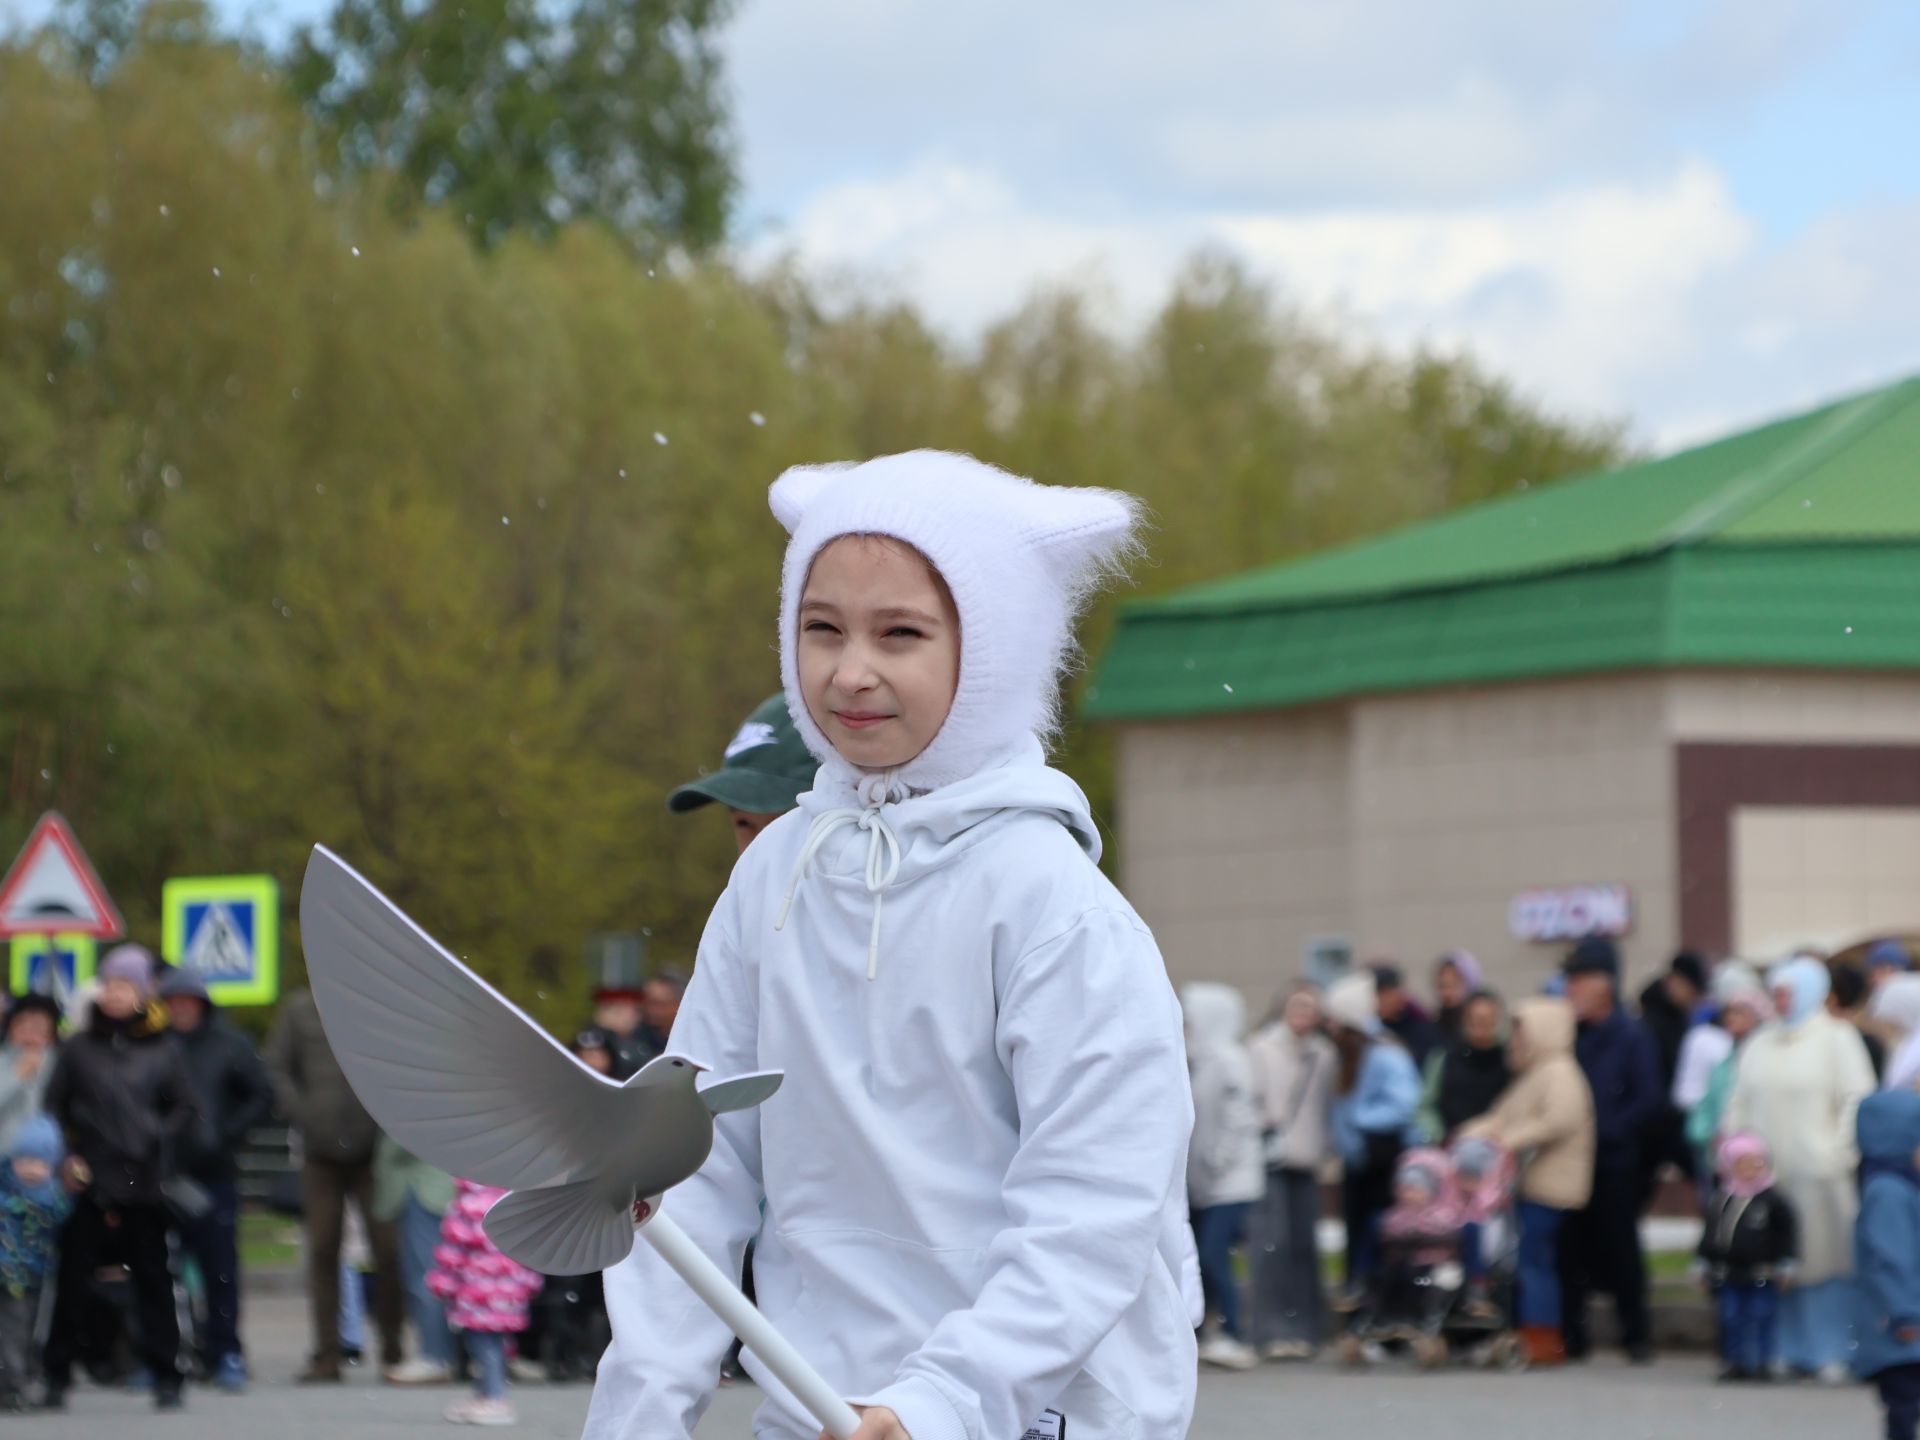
column 765, row 770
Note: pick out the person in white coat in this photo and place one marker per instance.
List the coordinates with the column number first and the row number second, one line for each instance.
column 974, row 1176
column 1294, row 1070
column 1796, row 1085
column 1225, row 1169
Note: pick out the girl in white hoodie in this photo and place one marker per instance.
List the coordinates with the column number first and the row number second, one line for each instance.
column 973, row 1178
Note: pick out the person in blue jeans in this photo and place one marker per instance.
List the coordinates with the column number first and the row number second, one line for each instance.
column 1748, row 1248
column 232, row 1095
column 1886, row 1256
column 413, row 1196
column 1376, row 1100
column 1226, row 1168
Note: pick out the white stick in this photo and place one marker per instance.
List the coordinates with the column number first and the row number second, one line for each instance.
column 723, row 1297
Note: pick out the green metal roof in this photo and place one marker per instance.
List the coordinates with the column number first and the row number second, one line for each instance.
column 1794, row 544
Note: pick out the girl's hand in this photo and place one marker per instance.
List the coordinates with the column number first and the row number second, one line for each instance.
column 876, row 1423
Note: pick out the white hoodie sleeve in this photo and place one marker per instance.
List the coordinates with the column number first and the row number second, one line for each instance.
column 658, row 1375
column 1090, row 1035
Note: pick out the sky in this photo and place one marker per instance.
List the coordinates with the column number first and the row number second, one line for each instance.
column 1688, row 215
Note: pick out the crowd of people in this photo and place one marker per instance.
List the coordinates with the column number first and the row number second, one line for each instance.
column 1749, row 1085
column 122, row 1118
column 1521, row 1144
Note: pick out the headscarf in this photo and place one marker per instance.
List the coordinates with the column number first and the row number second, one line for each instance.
column 1808, row 983
column 1733, row 1150
column 1472, row 980
column 1466, row 964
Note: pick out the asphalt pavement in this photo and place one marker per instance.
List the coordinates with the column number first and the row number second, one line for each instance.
column 1603, row 1400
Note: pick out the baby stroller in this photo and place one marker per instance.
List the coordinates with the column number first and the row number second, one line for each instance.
column 1444, row 1285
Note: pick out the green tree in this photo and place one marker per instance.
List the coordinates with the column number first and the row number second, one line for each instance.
column 324, row 524
column 522, row 115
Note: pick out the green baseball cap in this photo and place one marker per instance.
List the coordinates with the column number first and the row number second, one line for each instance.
column 766, row 769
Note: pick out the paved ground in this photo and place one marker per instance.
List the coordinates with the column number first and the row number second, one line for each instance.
column 1672, row 1401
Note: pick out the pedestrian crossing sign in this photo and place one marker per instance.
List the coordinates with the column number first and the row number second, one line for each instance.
column 51, row 965
column 226, row 929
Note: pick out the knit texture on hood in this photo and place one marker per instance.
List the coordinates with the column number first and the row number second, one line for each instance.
column 1019, row 559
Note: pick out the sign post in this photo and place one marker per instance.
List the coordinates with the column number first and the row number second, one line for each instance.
column 53, row 965
column 226, row 929
column 53, row 909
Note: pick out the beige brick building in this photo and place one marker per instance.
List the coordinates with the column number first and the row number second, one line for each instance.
column 1387, row 746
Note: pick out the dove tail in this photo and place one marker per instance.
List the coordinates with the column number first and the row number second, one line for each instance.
column 571, row 1229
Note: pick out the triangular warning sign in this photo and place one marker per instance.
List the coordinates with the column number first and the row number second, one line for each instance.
column 52, row 888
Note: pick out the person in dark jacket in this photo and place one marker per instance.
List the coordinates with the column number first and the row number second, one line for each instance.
column 1467, row 1073
column 336, row 1163
column 232, row 1095
column 122, row 1094
column 1600, row 1245
column 1401, row 1015
column 1749, row 1246
column 1669, row 1007
column 1886, row 1256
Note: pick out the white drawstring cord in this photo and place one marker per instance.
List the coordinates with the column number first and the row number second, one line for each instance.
column 883, row 864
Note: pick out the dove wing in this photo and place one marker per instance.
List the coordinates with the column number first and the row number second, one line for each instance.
column 445, row 1063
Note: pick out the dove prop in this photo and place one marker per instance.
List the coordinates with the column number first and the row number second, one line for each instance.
column 465, row 1079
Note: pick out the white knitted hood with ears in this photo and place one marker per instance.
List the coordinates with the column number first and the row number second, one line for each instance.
column 1019, row 558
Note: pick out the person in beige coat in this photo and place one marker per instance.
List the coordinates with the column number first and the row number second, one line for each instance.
column 1546, row 1118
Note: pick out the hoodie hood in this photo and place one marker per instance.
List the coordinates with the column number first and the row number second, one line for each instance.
column 1549, row 1027
column 855, row 834
column 1898, row 1003
column 39, row 1139
column 1888, row 1129
column 181, row 981
column 1019, row 559
column 1216, row 1016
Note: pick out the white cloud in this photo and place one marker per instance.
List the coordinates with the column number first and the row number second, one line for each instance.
column 1589, row 296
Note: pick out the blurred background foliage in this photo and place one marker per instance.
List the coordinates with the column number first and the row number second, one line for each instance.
column 385, row 430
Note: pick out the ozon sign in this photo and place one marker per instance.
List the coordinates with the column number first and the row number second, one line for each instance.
column 1570, row 912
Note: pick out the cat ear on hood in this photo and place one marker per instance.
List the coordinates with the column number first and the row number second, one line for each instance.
column 1080, row 533
column 797, row 489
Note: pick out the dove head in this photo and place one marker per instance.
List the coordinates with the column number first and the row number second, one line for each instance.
column 667, row 1070
column 927, row 609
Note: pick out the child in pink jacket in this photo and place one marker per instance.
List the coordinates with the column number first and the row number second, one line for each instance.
column 486, row 1296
